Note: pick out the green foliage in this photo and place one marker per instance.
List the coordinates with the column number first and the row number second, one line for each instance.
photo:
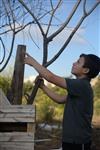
column 96, row 89
column 27, row 87
column 43, row 103
column 5, row 83
column 47, row 110
column 97, row 107
column 97, row 104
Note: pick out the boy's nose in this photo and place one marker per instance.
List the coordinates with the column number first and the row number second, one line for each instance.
column 74, row 63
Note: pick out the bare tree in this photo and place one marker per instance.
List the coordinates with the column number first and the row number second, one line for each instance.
column 13, row 18
column 15, row 14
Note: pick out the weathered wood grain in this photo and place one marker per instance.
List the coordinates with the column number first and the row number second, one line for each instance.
column 16, row 146
column 20, row 121
column 16, row 113
column 16, row 137
column 15, row 93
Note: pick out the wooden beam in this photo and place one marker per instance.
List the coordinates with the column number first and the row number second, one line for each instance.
column 15, row 93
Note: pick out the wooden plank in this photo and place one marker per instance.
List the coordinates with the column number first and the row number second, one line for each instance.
column 3, row 99
column 22, row 107
column 10, row 110
column 19, row 119
column 14, row 108
column 12, row 113
column 16, row 115
column 16, row 136
column 16, row 146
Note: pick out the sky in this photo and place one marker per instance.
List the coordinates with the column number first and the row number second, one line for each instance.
column 86, row 40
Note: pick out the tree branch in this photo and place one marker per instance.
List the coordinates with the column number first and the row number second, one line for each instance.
column 52, row 14
column 73, row 32
column 84, row 7
column 93, row 8
column 32, row 37
column 45, row 41
column 45, row 50
column 3, row 50
column 7, row 15
column 66, row 22
column 66, row 42
column 11, row 49
column 23, row 4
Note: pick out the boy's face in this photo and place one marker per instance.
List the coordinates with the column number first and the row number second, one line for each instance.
column 78, row 70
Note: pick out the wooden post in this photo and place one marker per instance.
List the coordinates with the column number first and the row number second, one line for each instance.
column 15, row 93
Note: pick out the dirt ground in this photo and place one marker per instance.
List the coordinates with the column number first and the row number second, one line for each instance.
column 52, row 139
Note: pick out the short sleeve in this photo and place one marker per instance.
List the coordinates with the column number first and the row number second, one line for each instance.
column 75, row 87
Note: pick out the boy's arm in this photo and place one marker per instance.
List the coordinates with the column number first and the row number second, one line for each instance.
column 55, row 97
column 45, row 73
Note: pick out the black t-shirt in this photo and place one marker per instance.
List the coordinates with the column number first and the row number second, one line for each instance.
column 78, row 111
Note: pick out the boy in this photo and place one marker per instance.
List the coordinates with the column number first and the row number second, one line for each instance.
column 79, row 101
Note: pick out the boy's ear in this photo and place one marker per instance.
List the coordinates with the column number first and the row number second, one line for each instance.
column 86, row 70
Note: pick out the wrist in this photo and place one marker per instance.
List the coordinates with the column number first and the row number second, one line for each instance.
column 42, row 87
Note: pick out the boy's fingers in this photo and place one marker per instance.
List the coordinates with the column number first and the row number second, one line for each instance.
column 37, row 78
column 27, row 55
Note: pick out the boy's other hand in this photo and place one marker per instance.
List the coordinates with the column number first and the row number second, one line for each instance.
column 41, row 80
